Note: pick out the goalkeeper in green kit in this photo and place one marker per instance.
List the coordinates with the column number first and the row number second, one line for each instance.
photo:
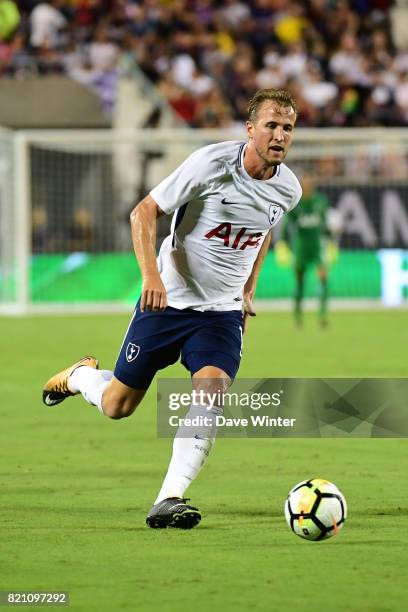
column 308, row 240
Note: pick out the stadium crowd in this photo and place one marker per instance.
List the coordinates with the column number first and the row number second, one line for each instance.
column 346, row 61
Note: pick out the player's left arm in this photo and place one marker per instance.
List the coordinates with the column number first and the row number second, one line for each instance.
column 250, row 285
column 331, row 229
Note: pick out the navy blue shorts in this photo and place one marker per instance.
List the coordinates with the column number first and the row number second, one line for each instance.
column 154, row 340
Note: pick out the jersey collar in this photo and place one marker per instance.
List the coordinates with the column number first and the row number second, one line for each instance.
column 241, row 153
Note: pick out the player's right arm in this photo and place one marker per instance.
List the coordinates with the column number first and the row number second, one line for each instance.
column 173, row 192
column 143, row 221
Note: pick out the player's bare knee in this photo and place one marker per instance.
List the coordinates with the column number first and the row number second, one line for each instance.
column 211, row 386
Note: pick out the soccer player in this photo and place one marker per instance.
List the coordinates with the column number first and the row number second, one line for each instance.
column 196, row 295
column 306, row 231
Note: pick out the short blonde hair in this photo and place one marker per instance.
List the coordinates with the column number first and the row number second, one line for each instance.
column 281, row 96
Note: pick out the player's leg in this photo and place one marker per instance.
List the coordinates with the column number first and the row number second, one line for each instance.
column 212, row 355
column 191, row 449
column 145, row 349
column 323, row 294
column 98, row 387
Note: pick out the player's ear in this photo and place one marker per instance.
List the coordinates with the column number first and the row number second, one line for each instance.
column 249, row 128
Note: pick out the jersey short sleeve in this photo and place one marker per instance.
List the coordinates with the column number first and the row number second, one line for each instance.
column 297, row 194
column 185, row 183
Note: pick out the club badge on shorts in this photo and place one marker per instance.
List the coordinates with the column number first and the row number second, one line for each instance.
column 132, row 351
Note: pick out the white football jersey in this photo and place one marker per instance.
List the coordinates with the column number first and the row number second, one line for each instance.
column 221, row 218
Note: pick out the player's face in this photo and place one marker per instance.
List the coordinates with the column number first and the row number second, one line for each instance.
column 271, row 133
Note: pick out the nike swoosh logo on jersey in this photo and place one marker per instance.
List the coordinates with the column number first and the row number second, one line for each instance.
column 225, row 202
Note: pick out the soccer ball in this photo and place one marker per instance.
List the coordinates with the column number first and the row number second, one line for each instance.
column 315, row 509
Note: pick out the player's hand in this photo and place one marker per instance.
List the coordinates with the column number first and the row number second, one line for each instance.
column 283, row 253
column 154, row 296
column 332, row 252
column 248, row 307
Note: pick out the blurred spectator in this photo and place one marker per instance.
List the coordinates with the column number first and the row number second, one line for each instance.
column 234, row 12
column 15, row 57
column 271, row 77
column 9, row 19
column 401, row 95
column 293, row 61
column 380, row 108
column 46, row 21
column 291, row 22
column 212, row 110
column 181, row 100
column 103, row 53
column 81, row 233
column 182, row 69
column 316, row 90
column 346, row 61
column 74, row 58
column 41, row 233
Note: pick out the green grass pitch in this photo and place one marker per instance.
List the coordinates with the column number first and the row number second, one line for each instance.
column 75, row 487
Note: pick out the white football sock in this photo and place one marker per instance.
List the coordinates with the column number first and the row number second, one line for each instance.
column 191, row 447
column 91, row 383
